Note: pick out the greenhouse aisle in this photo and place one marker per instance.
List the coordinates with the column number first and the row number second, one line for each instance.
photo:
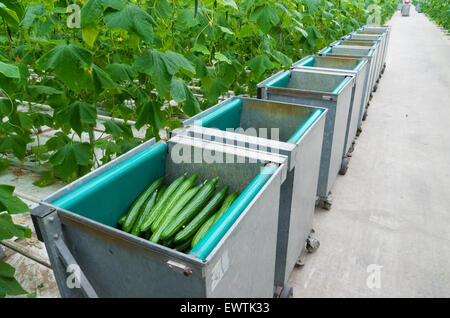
column 387, row 234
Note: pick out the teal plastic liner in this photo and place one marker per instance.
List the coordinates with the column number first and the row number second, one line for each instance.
column 358, row 67
column 306, row 125
column 226, row 116
column 339, row 88
column 280, row 81
column 110, row 195
column 224, row 223
column 307, row 62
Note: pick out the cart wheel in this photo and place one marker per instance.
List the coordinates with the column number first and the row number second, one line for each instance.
column 378, row 80
column 371, row 96
column 287, row 292
column 375, row 87
column 299, row 263
column 325, row 203
column 365, row 115
column 312, row 244
column 344, row 167
column 358, row 131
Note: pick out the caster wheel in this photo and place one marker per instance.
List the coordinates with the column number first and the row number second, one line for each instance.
column 365, row 115
column 344, row 167
column 358, row 131
column 325, row 202
column 312, row 244
column 287, row 292
column 299, row 263
column 375, row 87
column 378, row 80
column 371, row 96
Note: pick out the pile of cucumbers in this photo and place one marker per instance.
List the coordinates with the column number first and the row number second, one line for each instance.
column 177, row 215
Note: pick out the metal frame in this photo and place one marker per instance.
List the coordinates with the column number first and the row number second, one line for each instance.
column 117, row 264
column 338, row 106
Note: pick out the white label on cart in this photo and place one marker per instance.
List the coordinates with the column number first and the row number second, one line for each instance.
column 219, row 270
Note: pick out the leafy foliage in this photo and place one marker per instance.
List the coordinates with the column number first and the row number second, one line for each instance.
column 10, row 204
column 146, row 62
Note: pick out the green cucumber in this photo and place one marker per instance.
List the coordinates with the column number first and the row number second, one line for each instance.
column 185, row 186
column 159, row 205
column 191, row 209
column 146, row 208
column 185, row 198
column 201, row 217
column 136, row 207
column 183, row 247
column 168, row 242
column 213, row 219
column 122, row 219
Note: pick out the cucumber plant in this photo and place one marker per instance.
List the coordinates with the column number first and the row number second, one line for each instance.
column 144, row 62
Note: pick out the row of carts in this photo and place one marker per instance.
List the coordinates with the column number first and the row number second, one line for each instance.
column 282, row 151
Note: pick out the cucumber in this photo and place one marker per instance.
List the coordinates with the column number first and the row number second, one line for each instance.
column 201, row 217
column 159, row 205
column 122, row 219
column 185, row 198
column 168, row 242
column 213, row 219
column 136, row 207
column 191, row 209
column 185, row 186
column 146, row 208
column 183, row 247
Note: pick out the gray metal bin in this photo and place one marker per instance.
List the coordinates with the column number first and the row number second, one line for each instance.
column 356, row 52
column 288, row 129
column 373, row 45
column 78, row 225
column 405, row 9
column 347, row 66
column 381, row 30
column 323, row 89
column 359, row 35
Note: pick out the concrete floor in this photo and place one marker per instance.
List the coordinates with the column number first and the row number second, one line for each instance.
column 390, row 211
column 392, row 208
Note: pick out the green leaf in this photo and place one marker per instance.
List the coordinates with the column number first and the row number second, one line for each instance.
column 118, row 130
column 47, row 178
column 77, row 115
column 281, row 58
column 90, row 33
column 222, row 58
column 8, row 284
column 9, row 16
column 200, row 48
column 15, row 143
column 32, row 12
column 91, row 11
column 4, row 164
column 163, row 9
column 36, row 90
column 260, row 64
column 265, row 17
column 9, row 70
column 183, row 63
column 66, row 160
column 149, row 113
column 68, row 60
column 181, row 93
column 9, row 202
column 121, row 72
column 102, row 80
column 132, row 19
column 225, row 30
column 229, row 3
column 159, row 66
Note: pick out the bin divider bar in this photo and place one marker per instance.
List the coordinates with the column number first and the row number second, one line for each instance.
column 224, row 223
